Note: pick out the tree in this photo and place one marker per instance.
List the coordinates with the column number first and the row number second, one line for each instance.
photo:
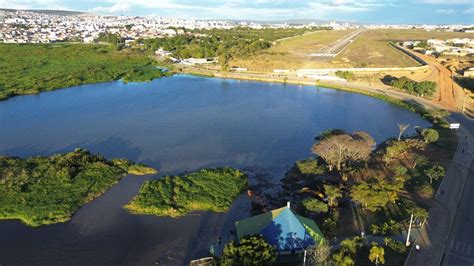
column 315, row 205
column 310, row 166
column 419, row 213
column 400, row 173
column 377, row 254
column 419, row 160
column 340, row 150
column 251, row 250
column 438, row 114
column 342, row 260
column 435, row 172
column 375, row 193
column 430, row 135
column 402, row 128
column 350, row 245
column 332, row 193
column 319, row 254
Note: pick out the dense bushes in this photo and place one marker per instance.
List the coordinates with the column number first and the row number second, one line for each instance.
column 251, row 250
column 310, row 166
column 47, row 190
column 347, row 75
column 430, row 135
column 32, row 68
column 206, row 190
column 223, row 43
column 423, row 88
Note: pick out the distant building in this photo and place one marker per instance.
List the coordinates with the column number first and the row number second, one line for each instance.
column 469, row 73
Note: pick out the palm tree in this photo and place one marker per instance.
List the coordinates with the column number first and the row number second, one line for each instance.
column 377, row 254
column 402, row 128
column 332, row 192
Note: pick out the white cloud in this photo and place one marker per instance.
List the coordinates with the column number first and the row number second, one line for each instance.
column 469, row 11
column 450, row 2
column 33, row 4
column 115, row 8
column 446, row 11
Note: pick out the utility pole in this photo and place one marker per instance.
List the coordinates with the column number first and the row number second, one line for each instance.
column 407, row 243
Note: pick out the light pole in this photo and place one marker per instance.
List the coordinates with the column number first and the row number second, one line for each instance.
column 407, row 243
column 304, row 250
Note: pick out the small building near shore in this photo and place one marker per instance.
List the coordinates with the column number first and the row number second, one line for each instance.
column 283, row 229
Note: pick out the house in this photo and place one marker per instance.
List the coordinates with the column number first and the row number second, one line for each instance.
column 282, row 228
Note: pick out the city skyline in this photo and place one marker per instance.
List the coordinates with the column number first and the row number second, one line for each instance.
column 367, row 11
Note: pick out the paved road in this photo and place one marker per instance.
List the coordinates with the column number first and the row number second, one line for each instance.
column 459, row 249
column 448, row 236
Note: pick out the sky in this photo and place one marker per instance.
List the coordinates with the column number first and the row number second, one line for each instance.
column 363, row 11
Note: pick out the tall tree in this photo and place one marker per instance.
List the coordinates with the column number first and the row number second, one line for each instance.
column 435, row 172
column 251, row 250
column 402, row 128
column 319, row 254
column 377, row 254
column 332, row 193
column 340, row 150
column 375, row 193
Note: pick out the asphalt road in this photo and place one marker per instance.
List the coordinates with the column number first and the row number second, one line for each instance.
column 459, row 249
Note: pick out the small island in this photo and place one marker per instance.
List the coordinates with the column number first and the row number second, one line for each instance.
column 203, row 190
column 47, row 190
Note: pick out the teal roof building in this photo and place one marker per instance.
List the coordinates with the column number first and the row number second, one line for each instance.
column 282, row 228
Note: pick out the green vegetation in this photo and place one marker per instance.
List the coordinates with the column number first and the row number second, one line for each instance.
column 47, row 190
column 423, row 88
column 430, row 135
column 310, row 167
column 348, row 75
column 33, row 68
column 251, row 250
column 227, row 44
column 377, row 254
column 332, row 193
column 375, row 193
column 314, row 205
column 435, row 172
column 205, row 190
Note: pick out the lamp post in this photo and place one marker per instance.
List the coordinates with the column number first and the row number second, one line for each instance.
column 304, row 250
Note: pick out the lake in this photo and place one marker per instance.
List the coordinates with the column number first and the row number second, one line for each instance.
column 174, row 124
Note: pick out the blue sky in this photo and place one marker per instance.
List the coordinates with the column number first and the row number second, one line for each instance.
column 366, row 11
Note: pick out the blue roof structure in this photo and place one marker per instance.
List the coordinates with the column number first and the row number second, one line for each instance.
column 283, row 229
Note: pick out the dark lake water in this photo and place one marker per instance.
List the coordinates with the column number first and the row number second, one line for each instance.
column 174, row 124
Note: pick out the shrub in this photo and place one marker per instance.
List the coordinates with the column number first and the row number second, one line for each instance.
column 251, row 250
column 430, row 135
column 395, row 245
column 348, row 75
column 314, row 205
column 435, row 172
column 310, row 166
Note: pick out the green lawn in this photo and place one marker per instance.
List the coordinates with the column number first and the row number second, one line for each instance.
column 48, row 190
column 33, row 68
column 204, row 190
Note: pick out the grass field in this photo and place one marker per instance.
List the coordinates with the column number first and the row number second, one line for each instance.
column 33, row 68
column 371, row 49
column 293, row 52
column 47, row 190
